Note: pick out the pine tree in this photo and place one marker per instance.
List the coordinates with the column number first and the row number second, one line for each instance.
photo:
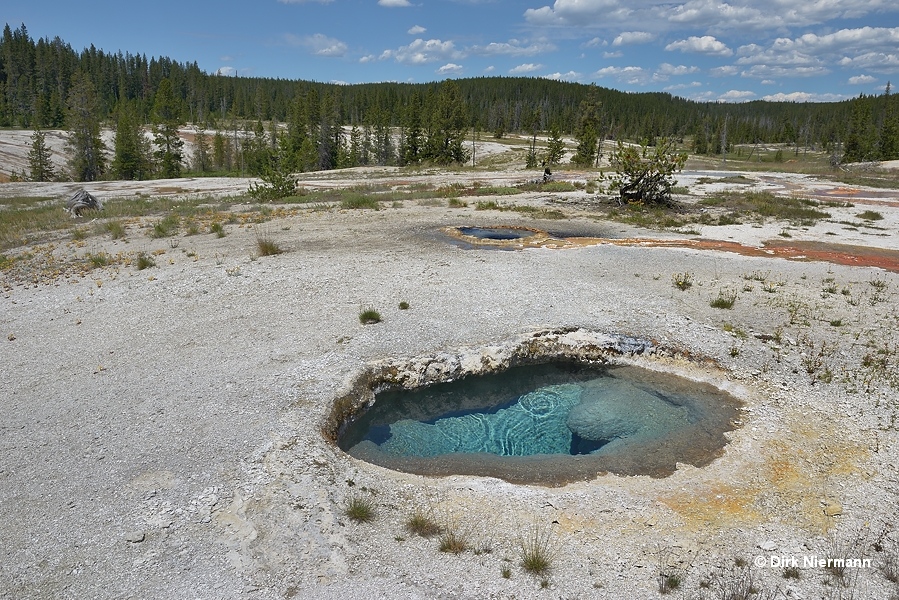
column 220, row 152
column 412, row 144
column 555, row 149
column 588, row 130
column 132, row 148
column 446, row 137
column 166, row 121
column 86, row 151
column 201, row 162
column 859, row 144
column 40, row 164
column 531, row 122
column 888, row 145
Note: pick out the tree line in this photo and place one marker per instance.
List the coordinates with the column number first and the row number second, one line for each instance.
column 262, row 124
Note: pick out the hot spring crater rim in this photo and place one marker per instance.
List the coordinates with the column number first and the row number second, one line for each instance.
column 666, row 377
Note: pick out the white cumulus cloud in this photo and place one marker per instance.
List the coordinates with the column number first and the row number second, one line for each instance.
column 569, row 76
column 525, row 68
column 416, row 30
column 736, row 96
column 803, row 97
column 450, row 69
column 861, row 79
column 706, row 44
column 631, row 75
column 394, row 3
column 422, row 52
column 633, row 37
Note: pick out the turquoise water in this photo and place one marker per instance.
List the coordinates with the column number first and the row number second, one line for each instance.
column 620, row 419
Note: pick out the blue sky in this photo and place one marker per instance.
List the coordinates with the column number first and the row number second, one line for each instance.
column 812, row 50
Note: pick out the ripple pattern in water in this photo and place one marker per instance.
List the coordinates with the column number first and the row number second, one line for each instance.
column 535, row 424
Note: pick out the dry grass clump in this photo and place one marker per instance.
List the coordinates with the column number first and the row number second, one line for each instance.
column 423, row 525
column 265, row 245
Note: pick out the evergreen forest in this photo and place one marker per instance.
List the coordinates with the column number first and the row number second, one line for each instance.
column 262, row 125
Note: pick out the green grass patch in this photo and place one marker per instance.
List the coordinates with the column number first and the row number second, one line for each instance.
column 538, row 212
column 217, row 228
column 870, row 215
column 100, row 259
column 144, row 261
column 369, row 316
column 166, row 227
column 360, row 509
column 725, row 299
column 492, row 190
column 360, row 201
column 550, row 186
column 488, row 205
column 767, row 205
column 27, row 220
column 115, row 229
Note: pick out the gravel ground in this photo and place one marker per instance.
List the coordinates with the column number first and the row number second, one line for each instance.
column 161, row 429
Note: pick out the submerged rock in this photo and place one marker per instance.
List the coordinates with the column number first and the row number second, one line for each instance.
column 615, row 411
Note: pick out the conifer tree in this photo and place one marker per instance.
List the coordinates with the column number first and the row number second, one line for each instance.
column 220, row 158
column 166, row 121
column 859, row 144
column 412, row 144
column 201, row 158
column 446, row 137
column 40, row 164
column 86, row 150
column 588, row 130
column 555, row 149
column 888, row 145
column 132, row 152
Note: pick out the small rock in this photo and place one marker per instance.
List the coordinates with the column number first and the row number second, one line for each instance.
column 768, row 546
column 833, row 509
column 135, row 537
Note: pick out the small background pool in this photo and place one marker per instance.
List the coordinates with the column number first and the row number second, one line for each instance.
column 496, row 233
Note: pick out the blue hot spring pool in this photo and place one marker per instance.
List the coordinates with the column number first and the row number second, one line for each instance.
column 548, row 424
column 496, row 233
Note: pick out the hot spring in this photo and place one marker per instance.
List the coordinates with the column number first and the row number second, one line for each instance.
column 548, row 423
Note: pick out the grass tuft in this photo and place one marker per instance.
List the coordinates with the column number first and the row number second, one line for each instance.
column 360, row 509
column 100, row 259
column 725, row 299
column 453, row 541
column 422, row 525
column 265, row 245
column 682, row 281
column 145, row 261
column 217, row 228
column 536, row 554
column 369, row 316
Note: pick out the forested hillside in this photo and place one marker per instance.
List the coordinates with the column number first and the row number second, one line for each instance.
column 306, row 125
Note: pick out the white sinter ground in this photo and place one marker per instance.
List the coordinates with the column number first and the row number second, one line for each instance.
column 161, row 429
